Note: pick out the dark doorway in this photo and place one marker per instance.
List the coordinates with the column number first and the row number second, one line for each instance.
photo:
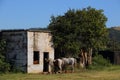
column 45, row 65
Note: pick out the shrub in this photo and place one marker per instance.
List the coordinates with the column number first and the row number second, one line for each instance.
column 4, row 66
column 99, row 63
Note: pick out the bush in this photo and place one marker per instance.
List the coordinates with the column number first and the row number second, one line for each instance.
column 99, row 63
column 4, row 66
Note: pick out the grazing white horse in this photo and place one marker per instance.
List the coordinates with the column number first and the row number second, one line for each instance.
column 63, row 64
column 69, row 62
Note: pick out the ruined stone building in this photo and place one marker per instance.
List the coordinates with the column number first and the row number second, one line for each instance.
column 27, row 49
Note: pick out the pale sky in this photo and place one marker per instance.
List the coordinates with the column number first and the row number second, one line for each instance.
column 25, row 14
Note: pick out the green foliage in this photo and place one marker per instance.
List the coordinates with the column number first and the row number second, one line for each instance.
column 78, row 28
column 99, row 63
column 4, row 66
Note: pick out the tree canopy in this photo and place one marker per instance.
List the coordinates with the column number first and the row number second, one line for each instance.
column 78, row 28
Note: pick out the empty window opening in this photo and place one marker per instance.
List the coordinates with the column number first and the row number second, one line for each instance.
column 36, row 57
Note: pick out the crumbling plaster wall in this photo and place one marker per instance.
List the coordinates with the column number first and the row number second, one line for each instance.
column 38, row 41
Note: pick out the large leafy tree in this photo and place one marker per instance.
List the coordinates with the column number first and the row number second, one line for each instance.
column 78, row 28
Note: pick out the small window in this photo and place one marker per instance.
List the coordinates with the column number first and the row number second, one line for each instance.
column 36, row 57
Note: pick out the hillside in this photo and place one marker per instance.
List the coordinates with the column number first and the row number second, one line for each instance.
column 114, row 35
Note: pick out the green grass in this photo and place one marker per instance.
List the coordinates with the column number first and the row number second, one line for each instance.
column 111, row 73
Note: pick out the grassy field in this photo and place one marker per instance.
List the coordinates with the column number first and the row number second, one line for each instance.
column 111, row 73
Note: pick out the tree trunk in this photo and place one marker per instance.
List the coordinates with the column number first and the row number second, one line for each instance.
column 89, row 56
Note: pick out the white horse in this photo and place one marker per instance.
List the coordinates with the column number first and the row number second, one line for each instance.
column 69, row 62
column 63, row 64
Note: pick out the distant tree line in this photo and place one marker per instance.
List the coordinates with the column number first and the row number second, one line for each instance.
column 114, row 39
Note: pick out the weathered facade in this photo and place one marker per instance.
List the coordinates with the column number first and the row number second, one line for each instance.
column 27, row 49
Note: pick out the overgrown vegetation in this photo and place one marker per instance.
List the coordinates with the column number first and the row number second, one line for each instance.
column 4, row 65
column 99, row 63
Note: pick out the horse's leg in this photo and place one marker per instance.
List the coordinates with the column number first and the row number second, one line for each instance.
column 72, row 68
column 55, row 69
column 49, row 69
column 64, row 69
column 59, row 67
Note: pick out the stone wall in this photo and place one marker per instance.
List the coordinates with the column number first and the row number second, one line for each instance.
column 16, row 48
